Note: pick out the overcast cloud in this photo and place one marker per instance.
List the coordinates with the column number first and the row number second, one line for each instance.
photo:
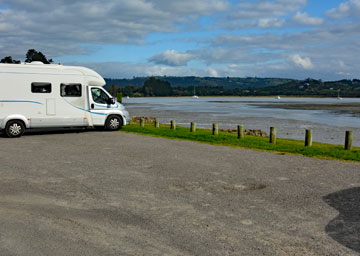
column 203, row 37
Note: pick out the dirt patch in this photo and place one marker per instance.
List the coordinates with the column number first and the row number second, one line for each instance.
column 148, row 119
column 252, row 132
column 217, row 187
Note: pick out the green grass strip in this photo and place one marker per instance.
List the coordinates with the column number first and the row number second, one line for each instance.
column 320, row 150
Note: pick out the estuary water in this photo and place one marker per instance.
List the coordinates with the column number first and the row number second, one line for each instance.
column 329, row 123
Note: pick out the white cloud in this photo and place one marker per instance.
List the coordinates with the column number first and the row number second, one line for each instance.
column 172, row 58
column 128, row 70
column 265, row 8
column 263, row 14
column 202, row 7
column 64, row 27
column 342, row 64
column 270, row 23
column 213, row 72
column 345, row 9
column 305, row 19
column 303, row 62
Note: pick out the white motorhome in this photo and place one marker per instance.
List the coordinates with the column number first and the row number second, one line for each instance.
column 35, row 95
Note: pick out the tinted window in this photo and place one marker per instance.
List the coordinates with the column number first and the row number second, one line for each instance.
column 99, row 96
column 70, row 90
column 38, row 87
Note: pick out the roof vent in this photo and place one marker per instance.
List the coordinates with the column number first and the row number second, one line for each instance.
column 36, row 63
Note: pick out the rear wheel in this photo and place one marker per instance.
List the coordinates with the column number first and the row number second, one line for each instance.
column 14, row 128
column 113, row 123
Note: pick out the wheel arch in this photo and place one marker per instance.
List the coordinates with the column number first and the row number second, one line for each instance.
column 15, row 117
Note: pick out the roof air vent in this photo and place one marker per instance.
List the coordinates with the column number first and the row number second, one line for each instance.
column 36, row 63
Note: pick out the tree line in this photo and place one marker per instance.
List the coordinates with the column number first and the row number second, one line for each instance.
column 308, row 87
column 152, row 87
column 185, row 81
column 31, row 55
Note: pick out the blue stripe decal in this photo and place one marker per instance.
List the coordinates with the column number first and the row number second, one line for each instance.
column 100, row 106
column 95, row 113
column 22, row 101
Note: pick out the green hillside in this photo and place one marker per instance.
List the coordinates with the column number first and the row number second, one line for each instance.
column 226, row 82
column 311, row 87
column 209, row 86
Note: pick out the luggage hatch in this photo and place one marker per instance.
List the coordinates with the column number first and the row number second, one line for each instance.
column 50, row 107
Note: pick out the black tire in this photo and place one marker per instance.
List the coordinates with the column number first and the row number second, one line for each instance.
column 113, row 123
column 14, row 128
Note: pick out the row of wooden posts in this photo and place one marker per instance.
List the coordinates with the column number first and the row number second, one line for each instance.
column 240, row 132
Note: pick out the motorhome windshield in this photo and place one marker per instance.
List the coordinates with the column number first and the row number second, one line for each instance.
column 99, row 96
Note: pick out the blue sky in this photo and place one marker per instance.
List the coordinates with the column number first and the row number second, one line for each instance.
column 126, row 38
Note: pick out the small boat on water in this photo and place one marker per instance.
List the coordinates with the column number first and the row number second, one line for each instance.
column 278, row 97
column 195, row 96
column 338, row 96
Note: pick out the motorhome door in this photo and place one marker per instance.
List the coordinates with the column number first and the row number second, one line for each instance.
column 99, row 104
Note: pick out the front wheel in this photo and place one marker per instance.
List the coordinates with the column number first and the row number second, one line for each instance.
column 14, row 129
column 113, row 123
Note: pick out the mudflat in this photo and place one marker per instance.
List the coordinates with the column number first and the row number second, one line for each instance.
column 288, row 126
column 113, row 193
column 341, row 107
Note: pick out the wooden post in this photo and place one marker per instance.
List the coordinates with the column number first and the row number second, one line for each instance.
column 157, row 123
column 173, row 125
column 348, row 140
column 142, row 122
column 215, row 129
column 193, row 127
column 240, row 131
column 273, row 135
column 308, row 138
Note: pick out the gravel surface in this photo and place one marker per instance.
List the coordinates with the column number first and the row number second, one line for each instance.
column 113, row 193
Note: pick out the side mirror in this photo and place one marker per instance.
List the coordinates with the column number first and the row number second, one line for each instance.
column 111, row 101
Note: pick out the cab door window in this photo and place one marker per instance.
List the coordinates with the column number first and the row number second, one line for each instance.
column 99, row 96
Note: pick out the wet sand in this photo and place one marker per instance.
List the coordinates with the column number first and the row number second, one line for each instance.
column 341, row 107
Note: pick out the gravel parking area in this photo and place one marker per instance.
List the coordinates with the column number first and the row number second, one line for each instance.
column 113, row 193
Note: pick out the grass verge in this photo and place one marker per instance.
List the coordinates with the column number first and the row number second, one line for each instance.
column 321, row 150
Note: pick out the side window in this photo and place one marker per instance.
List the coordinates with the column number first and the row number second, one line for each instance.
column 38, row 87
column 99, row 96
column 70, row 90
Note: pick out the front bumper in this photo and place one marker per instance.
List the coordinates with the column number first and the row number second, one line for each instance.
column 126, row 115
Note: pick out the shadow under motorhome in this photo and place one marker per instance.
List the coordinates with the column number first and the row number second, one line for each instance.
column 35, row 95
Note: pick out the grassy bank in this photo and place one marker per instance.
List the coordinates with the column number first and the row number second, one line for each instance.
column 320, row 150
